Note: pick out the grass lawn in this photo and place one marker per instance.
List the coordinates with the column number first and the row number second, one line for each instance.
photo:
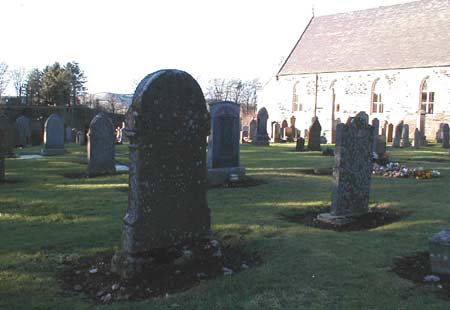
column 47, row 219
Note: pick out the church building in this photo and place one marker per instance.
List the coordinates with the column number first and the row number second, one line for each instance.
column 393, row 62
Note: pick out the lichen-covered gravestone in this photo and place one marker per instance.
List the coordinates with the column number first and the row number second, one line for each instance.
column 253, row 125
column 314, row 135
column 352, row 171
column 262, row 137
column 101, row 146
column 223, row 143
column 167, row 126
column 23, row 130
column 405, row 136
column 417, row 138
column 445, row 136
column 398, row 135
column 53, row 136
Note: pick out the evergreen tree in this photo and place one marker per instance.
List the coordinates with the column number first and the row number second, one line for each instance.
column 56, row 85
column 77, row 81
column 33, row 87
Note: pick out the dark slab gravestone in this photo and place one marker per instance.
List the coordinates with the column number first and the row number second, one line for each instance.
column 223, row 143
column 3, row 145
column 36, row 132
column 314, row 135
column 253, row 126
column 8, row 137
column 101, row 146
column 276, row 129
column 300, row 144
column 53, row 136
column 445, row 136
column 262, row 137
column 167, row 126
column 23, row 130
column 376, row 128
column 352, row 171
column 398, row 135
column 417, row 138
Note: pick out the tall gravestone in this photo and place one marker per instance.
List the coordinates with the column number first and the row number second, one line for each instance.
column 23, row 130
column 405, row 136
column 262, row 138
column 69, row 135
column 276, row 129
column 101, row 146
column 36, row 132
column 376, row 128
column 398, row 135
column 390, row 132
column 439, row 133
column 314, row 135
column 417, row 138
column 167, row 129
column 4, row 124
column 253, row 125
column 445, row 136
column 53, row 136
column 223, row 143
column 8, row 137
column 352, row 171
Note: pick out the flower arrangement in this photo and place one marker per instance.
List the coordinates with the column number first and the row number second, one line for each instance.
column 395, row 170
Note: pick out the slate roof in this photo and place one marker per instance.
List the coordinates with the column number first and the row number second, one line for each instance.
column 409, row 35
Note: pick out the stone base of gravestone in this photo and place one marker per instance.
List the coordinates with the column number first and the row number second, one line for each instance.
column 261, row 141
column 52, row 152
column 335, row 220
column 219, row 176
column 439, row 245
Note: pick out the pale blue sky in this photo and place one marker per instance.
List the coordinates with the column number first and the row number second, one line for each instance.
column 118, row 42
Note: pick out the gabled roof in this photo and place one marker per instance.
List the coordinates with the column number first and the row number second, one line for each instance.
column 410, row 35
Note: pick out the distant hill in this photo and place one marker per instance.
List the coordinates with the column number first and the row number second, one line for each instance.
column 120, row 102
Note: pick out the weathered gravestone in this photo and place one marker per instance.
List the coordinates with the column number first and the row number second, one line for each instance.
column 81, row 137
column 439, row 133
column 262, row 138
column 380, row 146
column 352, row 171
column 417, row 138
column 253, row 125
column 101, row 146
column 69, row 135
column 223, row 143
column 390, row 132
column 405, row 136
column 9, row 136
column 276, row 131
column 23, row 130
column 53, row 136
column 376, row 128
column 300, row 144
column 36, row 132
column 398, row 135
column 314, row 135
column 167, row 128
column 445, row 136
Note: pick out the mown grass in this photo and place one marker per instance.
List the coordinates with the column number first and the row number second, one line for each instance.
column 47, row 219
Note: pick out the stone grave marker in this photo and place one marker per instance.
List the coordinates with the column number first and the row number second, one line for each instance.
column 276, row 129
column 390, row 132
column 9, row 136
column 314, row 135
column 53, row 136
column 445, row 136
column 81, row 137
column 300, row 144
column 380, row 146
column 352, row 171
column 398, row 135
column 376, row 128
column 223, row 143
column 439, row 245
column 36, row 132
column 167, row 129
column 262, row 138
column 439, row 133
column 417, row 138
column 23, row 130
column 101, row 146
column 253, row 125
column 405, row 136
column 69, row 135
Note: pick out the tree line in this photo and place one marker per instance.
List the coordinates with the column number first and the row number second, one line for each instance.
column 55, row 85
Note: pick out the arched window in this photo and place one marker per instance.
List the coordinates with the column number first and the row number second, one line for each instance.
column 426, row 98
column 296, row 105
column 376, row 98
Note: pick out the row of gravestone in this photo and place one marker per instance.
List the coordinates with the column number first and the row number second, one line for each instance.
column 401, row 136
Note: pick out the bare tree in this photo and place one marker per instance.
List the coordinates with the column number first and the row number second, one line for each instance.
column 4, row 77
column 112, row 103
column 18, row 78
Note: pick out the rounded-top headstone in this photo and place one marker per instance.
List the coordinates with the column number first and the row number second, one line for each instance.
column 23, row 130
column 54, row 136
column 167, row 126
column 101, row 146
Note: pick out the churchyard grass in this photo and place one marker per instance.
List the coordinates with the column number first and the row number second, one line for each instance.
column 47, row 219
